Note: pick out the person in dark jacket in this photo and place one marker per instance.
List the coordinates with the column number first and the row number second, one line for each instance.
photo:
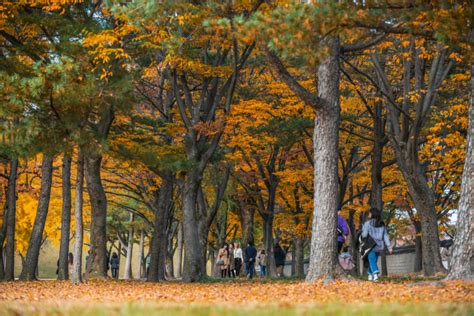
column 250, row 254
column 114, row 265
column 280, row 256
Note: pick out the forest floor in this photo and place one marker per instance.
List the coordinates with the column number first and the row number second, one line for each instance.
column 241, row 297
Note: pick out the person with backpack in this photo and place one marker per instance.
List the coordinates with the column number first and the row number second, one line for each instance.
column 342, row 231
column 375, row 229
column 115, row 264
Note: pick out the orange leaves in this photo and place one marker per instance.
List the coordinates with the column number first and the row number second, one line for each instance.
column 238, row 293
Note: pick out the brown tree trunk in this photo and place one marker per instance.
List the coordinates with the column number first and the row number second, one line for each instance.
column 76, row 276
column 31, row 260
column 376, row 199
column 299, row 257
column 193, row 252
column 159, row 240
column 63, row 273
column 268, row 244
column 179, row 259
column 3, row 232
column 11, row 222
column 247, row 221
column 326, row 139
column 418, row 249
column 141, row 255
column 97, row 268
column 462, row 259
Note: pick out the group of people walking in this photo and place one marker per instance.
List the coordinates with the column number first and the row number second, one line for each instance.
column 231, row 259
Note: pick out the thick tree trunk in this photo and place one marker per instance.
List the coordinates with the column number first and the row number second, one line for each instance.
column 159, row 240
column 376, row 199
column 79, row 229
column 141, row 255
column 247, row 221
column 179, row 259
column 11, row 222
column 424, row 203
column 98, row 200
column 36, row 239
column 299, row 257
column 127, row 274
column 418, row 249
column 193, row 252
column 268, row 244
column 462, row 259
column 326, row 137
column 63, row 273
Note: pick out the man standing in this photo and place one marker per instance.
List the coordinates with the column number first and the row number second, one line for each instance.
column 250, row 255
column 342, row 231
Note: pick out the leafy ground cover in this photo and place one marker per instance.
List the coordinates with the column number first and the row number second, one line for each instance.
column 237, row 298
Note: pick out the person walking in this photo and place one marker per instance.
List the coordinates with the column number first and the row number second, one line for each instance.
column 280, row 257
column 342, row 231
column 114, row 265
column 262, row 263
column 223, row 260
column 375, row 228
column 238, row 258
column 250, row 255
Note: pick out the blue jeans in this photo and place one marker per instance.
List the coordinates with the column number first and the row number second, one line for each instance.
column 249, row 268
column 373, row 256
column 263, row 271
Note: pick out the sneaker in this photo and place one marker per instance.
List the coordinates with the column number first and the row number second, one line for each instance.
column 376, row 277
column 371, row 278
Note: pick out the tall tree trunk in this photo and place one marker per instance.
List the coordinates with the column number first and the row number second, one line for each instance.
column 98, row 200
column 268, row 244
column 462, row 259
column 159, row 240
column 326, row 139
column 299, row 257
column 418, row 249
column 128, row 260
column 79, row 229
column 63, row 273
column 193, row 252
column 3, row 232
column 11, row 222
column 31, row 260
column 141, row 255
column 247, row 221
column 179, row 259
column 376, row 199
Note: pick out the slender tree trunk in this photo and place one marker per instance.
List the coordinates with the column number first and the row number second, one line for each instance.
column 159, row 241
column 79, row 229
column 179, row 259
column 462, row 259
column 11, row 222
column 98, row 200
column 32, row 254
column 299, row 257
column 376, row 199
column 128, row 260
column 63, row 273
column 3, row 232
column 141, row 256
column 326, row 138
column 193, row 252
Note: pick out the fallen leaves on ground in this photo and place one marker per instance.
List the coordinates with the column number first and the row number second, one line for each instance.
column 280, row 293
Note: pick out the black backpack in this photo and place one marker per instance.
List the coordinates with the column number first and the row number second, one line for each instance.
column 365, row 244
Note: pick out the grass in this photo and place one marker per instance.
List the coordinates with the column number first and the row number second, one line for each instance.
column 131, row 309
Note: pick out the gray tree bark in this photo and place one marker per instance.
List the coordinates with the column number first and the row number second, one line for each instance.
column 179, row 259
column 97, row 268
column 3, row 232
column 11, row 222
column 63, row 273
column 462, row 259
column 299, row 257
column 326, row 139
column 159, row 239
column 141, row 255
column 76, row 276
column 31, row 260
column 127, row 273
